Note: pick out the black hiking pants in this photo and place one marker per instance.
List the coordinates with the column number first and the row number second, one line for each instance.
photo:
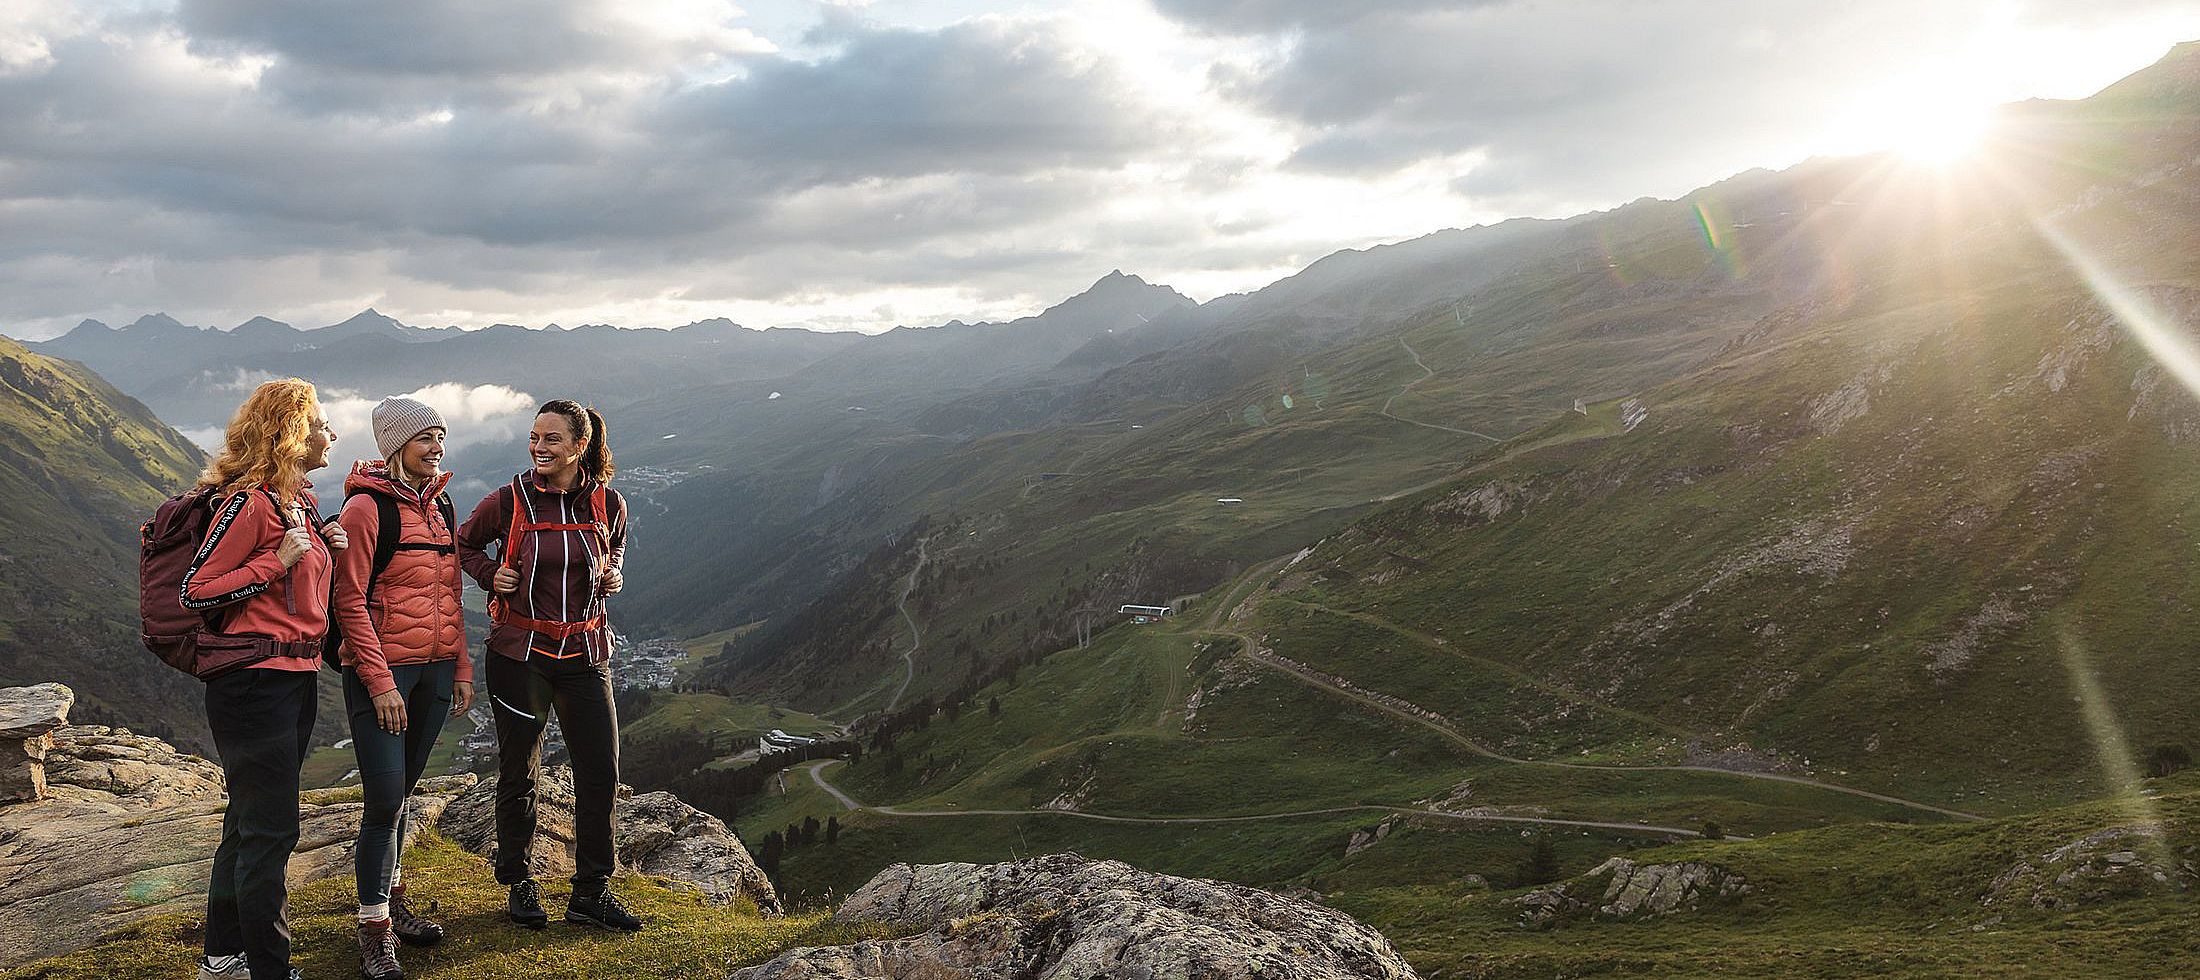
column 522, row 695
column 262, row 719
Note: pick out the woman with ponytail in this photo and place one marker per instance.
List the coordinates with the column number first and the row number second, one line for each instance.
column 563, row 544
column 262, row 577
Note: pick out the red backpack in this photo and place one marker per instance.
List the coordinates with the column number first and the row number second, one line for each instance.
column 500, row 608
column 186, row 639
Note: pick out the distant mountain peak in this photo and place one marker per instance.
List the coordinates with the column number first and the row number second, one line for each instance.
column 367, row 316
column 158, row 321
column 371, row 322
column 2173, row 78
column 716, row 324
column 90, row 326
column 1116, row 278
column 262, row 324
column 1117, row 287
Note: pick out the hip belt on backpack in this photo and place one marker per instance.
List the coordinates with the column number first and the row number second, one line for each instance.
column 502, row 615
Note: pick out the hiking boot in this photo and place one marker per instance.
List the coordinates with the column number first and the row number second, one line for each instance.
column 525, row 906
column 231, row 967
column 411, row 929
column 601, row 909
column 378, row 952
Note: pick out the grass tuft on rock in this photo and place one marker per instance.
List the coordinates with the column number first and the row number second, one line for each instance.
column 685, row 937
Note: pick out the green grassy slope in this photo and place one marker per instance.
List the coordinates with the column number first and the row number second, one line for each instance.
column 81, row 465
column 1846, row 253
column 1851, row 901
column 1883, row 545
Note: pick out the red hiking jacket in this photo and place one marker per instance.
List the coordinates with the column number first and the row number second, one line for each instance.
column 236, row 570
column 414, row 616
column 559, row 570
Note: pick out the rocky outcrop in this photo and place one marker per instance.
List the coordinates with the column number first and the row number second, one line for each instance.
column 2116, row 862
column 655, row 834
column 28, row 717
column 1063, row 917
column 1363, row 839
column 127, row 831
column 1623, row 889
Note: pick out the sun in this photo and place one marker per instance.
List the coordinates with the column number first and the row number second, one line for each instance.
column 1932, row 118
column 1935, row 136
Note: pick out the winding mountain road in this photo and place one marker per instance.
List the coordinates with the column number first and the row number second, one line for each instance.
column 817, row 775
column 1426, row 373
column 1251, row 651
column 916, row 635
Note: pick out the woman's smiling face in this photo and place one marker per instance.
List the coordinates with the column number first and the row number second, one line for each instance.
column 553, row 447
column 322, row 437
column 422, row 457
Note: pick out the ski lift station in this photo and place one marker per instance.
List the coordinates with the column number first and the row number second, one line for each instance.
column 1144, row 614
column 776, row 739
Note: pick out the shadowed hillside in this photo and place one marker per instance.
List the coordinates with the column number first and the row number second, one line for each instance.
column 81, row 466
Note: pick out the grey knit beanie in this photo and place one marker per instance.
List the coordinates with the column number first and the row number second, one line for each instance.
column 397, row 420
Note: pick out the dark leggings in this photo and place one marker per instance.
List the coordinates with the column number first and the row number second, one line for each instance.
column 522, row 695
column 390, row 765
column 262, row 721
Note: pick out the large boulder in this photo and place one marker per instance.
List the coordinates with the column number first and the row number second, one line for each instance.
column 654, row 833
column 127, row 832
column 2105, row 865
column 1624, row 889
column 28, row 717
column 1063, row 917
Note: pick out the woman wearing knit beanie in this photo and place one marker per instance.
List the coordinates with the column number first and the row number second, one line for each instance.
column 403, row 654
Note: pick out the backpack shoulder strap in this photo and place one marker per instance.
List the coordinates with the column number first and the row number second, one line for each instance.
column 388, row 528
column 510, row 558
column 385, row 541
column 450, row 515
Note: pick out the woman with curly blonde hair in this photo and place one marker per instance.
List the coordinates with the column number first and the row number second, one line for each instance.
column 262, row 576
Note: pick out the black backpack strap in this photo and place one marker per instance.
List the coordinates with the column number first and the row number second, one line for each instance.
column 388, row 528
column 450, row 530
column 385, row 548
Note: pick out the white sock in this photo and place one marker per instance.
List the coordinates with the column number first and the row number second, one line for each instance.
column 397, row 876
column 374, row 913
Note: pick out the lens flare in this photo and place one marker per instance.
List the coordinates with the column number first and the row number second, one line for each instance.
column 2118, row 767
column 1717, row 229
column 2133, row 310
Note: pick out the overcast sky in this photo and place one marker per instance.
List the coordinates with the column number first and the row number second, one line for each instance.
column 854, row 165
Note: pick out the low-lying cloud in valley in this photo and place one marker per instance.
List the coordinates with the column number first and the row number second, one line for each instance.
column 482, row 418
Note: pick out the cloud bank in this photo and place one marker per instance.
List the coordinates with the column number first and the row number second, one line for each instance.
column 653, row 162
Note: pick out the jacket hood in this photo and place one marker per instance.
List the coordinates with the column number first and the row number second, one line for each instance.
column 374, row 475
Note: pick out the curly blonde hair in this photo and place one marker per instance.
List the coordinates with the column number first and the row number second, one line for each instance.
column 266, row 441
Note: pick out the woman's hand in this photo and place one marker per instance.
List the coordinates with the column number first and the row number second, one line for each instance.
column 610, row 583
column 333, row 533
column 462, row 697
column 296, row 542
column 389, row 711
column 506, row 581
